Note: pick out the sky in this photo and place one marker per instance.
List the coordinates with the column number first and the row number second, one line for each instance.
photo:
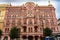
column 55, row 3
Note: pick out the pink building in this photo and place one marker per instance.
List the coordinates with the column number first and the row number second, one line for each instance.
column 30, row 18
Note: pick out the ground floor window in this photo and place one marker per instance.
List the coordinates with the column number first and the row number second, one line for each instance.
column 5, row 38
column 24, row 37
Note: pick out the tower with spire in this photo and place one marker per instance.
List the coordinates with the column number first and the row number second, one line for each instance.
column 49, row 3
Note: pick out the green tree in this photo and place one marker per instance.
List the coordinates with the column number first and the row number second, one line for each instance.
column 0, row 33
column 47, row 31
column 14, row 33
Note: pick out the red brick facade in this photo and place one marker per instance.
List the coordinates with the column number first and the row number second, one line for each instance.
column 30, row 19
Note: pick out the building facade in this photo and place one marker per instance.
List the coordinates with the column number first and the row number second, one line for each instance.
column 30, row 19
column 58, row 22
column 2, row 14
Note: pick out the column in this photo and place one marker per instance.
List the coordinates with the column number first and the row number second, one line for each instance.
column 27, row 21
column 21, row 29
column 8, row 38
column 33, row 38
column 38, row 29
column 27, row 29
column 38, row 21
column 33, row 29
column 33, row 21
column 21, row 38
column 49, row 23
column 2, row 37
column 27, row 38
column 22, row 20
column 16, row 21
column 44, row 24
column 27, row 26
column 38, row 38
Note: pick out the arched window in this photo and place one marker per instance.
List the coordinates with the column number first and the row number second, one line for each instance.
column 46, row 16
column 41, row 22
column 5, row 38
column 24, row 21
column 40, row 16
column 35, row 21
column 30, row 22
column 24, row 28
column 52, row 22
column 36, row 37
column 35, row 28
column 46, row 23
column 8, row 16
column 41, row 29
column 13, row 16
column 24, row 37
column 13, row 22
column 19, row 22
column 6, row 30
column 53, row 28
column 30, row 29
column 19, row 30
column 7, row 23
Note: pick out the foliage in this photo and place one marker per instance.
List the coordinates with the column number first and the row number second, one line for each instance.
column 47, row 32
column 14, row 33
column 0, row 33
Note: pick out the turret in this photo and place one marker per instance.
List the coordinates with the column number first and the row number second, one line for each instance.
column 49, row 3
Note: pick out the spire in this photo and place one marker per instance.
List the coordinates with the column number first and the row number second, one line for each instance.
column 10, row 4
column 49, row 3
